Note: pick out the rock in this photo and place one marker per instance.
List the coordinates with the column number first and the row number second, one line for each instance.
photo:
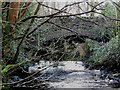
column 33, row 69
column 86, row 65
column 15, row 78
column 56, row 70
column 114, row 83
column 116, row 75
column 103, row 76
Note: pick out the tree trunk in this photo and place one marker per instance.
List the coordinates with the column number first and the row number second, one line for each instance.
column 13, row 15
column 9, row 31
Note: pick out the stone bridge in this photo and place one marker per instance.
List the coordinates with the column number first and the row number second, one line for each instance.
column 97, row 28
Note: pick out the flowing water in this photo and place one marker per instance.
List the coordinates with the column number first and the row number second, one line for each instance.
column 72, row 74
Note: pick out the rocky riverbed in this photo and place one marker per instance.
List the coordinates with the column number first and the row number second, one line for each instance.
column 72, row 74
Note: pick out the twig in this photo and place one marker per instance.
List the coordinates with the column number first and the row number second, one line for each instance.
column 28, row 76
column 97, row 5
column 27, row 34
column 32, row 74
column 36, row 16
column 66, row 13
column 73, row 31
column 107, row 16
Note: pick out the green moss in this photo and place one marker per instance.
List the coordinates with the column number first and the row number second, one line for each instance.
column 7, row 68
column 11, row 66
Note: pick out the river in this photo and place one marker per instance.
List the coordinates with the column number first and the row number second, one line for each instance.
column 72, row 74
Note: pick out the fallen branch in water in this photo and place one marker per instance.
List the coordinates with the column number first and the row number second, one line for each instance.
column 40, row 70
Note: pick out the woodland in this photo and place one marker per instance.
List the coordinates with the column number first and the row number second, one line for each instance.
column 38, row 38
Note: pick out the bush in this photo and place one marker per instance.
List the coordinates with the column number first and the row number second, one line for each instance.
column 109, row 52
